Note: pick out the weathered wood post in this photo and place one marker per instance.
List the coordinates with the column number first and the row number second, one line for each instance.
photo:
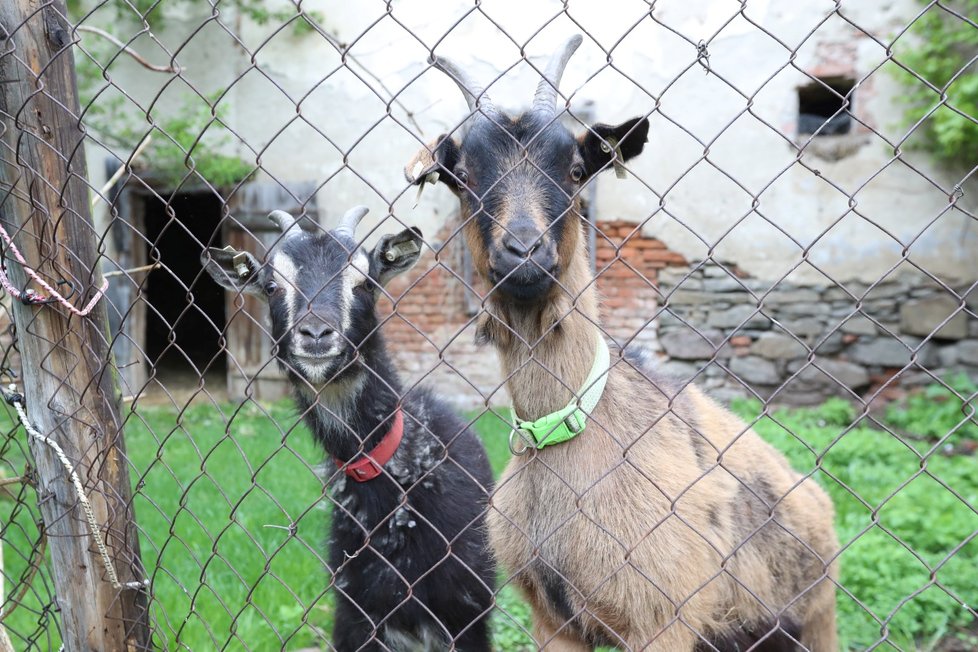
column 70, row 390
column 5, row 644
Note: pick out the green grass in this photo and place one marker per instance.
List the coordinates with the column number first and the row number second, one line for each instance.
column 214, row 510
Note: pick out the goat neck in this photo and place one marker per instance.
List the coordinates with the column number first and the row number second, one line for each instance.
column 353, row 413
column 547, row 348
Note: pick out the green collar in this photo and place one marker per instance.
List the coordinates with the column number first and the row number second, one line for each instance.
column 569, row 421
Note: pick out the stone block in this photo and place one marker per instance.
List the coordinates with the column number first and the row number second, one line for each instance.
column 968, row 353
column 755, row 370
column 687, row 344
column 681, row 316
column 690, row 297
column 849, row 374
column 715, row 271
column 672, row 275
column 845, row 293
column 859, row 325
column 800, row 309
column 830, row 345
column 724, row 284
column 774, row 346
column 887, row 351
column 888, row 290
column 714, row 371
column 948, row 355
column 923, row 316
column 971, row 299
column 793, row 295
column 746, row 316
column 803, row 327
column 726, row 394
column 691, row 283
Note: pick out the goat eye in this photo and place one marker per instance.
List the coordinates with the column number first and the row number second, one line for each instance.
column 577, row 172
column 271, row 288
column 461, row 176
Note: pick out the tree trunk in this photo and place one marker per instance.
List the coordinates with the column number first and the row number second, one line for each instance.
column 70, row 389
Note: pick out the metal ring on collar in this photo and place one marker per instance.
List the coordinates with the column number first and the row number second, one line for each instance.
column 514, row 435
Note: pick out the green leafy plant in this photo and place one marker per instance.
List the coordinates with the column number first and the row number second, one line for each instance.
column 942, row 91
column 939, row 412
column 189, row 143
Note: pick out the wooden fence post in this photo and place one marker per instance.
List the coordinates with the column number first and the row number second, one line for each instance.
column 71, row 392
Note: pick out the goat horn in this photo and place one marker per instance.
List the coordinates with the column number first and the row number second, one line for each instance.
column 350, row 221
column 282, row 220
column 475, row 94
column 545, row 101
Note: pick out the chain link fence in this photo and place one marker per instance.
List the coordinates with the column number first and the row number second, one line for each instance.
column 796, row 239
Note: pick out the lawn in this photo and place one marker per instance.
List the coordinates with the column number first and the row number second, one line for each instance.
column 220, row 487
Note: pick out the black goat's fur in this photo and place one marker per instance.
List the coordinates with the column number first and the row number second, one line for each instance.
column 408, row 549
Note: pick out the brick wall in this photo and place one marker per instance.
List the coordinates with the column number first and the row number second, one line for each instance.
column 627, row 266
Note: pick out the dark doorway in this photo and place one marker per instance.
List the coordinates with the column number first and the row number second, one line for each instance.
column 185, row 315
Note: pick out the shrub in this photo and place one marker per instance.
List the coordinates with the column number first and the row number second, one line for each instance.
column 939, row 48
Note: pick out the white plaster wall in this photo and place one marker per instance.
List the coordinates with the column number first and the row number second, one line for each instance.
column 302, row 114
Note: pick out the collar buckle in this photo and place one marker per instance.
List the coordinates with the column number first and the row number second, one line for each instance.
column 569, row 421
column 370, row 465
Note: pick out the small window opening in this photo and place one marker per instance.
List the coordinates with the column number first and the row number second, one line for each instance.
column 825, row 106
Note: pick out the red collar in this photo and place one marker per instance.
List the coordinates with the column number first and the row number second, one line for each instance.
column 369, row 467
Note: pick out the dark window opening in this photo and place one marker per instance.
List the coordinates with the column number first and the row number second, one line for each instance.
column 825, row 107
column 185, row 315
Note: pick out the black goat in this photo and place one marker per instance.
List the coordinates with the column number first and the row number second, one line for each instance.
column 408, row 548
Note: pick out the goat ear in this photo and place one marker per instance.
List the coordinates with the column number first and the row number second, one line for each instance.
column 395, row 254
column 628, row 138
column 439, row 156
column 232, row 269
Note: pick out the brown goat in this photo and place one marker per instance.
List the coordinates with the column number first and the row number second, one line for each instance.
column 667, row 524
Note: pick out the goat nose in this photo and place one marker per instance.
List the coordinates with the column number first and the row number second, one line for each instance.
column 522, row 241
column 316, row 330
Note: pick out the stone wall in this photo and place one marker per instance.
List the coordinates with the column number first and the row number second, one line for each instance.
column 799, row 344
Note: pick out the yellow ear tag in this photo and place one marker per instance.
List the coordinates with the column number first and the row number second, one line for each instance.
column 618, row 161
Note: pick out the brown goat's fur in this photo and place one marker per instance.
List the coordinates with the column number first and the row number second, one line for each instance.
column 668, row 522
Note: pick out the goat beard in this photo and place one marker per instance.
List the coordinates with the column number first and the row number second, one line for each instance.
column 504, row 324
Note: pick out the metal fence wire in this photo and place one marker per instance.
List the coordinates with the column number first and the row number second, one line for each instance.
column 767, row 204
